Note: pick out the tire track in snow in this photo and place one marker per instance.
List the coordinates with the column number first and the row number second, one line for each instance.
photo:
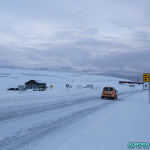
column 23, row 138
column 40, row 108
column 30, row 110
column 123, row 95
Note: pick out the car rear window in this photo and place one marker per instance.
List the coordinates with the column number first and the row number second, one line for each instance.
column 108, row 89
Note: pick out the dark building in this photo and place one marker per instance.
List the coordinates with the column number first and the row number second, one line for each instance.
column 35, row 85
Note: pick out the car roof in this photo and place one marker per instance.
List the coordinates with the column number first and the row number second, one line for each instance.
column 105, row 88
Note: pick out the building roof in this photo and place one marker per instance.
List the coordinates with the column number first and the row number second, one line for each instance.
column 35, row 82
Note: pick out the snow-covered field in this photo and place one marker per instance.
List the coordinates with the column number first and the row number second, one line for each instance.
column 77, row 119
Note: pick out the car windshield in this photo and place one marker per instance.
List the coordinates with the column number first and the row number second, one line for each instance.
column 108, row 89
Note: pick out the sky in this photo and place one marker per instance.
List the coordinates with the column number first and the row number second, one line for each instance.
column 110, row 37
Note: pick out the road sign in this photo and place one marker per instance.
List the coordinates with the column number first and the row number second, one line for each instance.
column 146, row 85
column 146, row 80
column 67, row 85
column 146, row 77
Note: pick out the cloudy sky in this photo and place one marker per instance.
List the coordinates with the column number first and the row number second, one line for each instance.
column 109, row 37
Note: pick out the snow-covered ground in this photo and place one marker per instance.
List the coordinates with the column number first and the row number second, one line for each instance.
column 58, row 119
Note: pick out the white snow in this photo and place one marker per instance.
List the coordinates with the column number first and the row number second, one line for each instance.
column 75, row 120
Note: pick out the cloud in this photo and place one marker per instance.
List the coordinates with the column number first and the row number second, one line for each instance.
column 90, row 56
column 103, row 37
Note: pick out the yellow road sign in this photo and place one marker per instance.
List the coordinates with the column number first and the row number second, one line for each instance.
column 146, row 77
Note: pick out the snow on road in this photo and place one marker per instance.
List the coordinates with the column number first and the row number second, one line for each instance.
column 28, row 124
column 73, row 120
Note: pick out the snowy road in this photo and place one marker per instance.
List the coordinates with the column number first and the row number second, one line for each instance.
column 28, row 123
column 22, row 111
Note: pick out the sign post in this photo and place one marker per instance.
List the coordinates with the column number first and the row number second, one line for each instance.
column 67, row 86
column 149, row 93
column 146, row 83
column 51, row 87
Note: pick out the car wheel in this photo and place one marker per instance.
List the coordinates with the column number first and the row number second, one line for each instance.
column 102, row 97
column 114, row 98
